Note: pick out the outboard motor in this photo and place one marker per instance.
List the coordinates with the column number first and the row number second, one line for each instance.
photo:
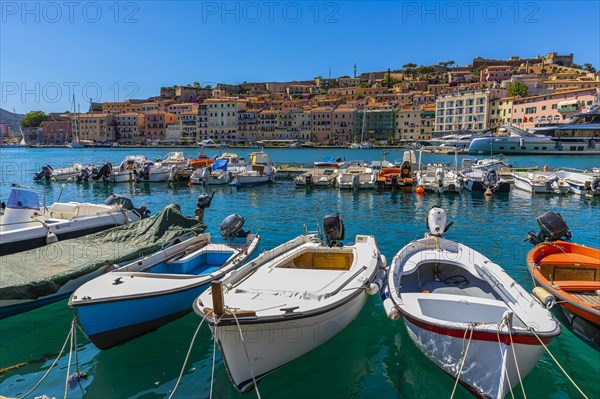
column 439, row 176
column 395, row 180
column 103, row 173
column 84, row 175
column 127, row 204
column 231, row 227
column 356, row 181
column 552, row 228
column 436, row 221
column 44, row 173
column 596, row 184
column 308, row 180
column 204, row 201
column 552, row 182
column 333, row 228
column 145, row 174
column 492, row 178
column 406, row 169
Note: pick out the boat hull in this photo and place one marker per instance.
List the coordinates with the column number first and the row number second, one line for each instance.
column 486, row 366
column 272, row 345
column 479, row 186
column 109, row 324
column 528, row 186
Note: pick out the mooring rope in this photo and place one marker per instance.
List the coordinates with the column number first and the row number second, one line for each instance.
column 70, row 357
column 512, row 346
column 471, row 328
column 212, row 373
column 558, row 364
column 51, row 366
column 247, row 355
column 512, row 394
column 188, row 355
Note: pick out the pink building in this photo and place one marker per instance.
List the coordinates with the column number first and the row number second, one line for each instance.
column 556, row 108
column 496, row 73
column 343, row 124
column 156, row 124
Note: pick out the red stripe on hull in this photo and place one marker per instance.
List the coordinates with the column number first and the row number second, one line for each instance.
column 479, row 335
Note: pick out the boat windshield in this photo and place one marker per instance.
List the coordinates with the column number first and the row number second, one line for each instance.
column 23, row 199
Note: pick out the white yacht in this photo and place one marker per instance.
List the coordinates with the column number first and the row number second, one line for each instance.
column 581, row 136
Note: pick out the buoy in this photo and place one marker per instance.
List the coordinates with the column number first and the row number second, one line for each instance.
column 488, row 192
column 545, row 168
column 390, row 309
column 420, row 190
column 545, row 298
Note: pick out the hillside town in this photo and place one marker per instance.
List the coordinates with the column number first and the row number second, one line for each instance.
column 414, row 103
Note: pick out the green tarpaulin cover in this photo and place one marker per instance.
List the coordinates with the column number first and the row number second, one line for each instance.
column 42, row 271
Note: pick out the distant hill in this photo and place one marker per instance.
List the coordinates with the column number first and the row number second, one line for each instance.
column 12, row 119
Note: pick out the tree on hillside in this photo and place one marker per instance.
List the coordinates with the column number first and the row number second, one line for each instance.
column 409, row 66
column 588, row 67
column 424, row 70
column 196, row 84
column 517, row 88
column 574, row 65
column 451, row 63
column 33, row 119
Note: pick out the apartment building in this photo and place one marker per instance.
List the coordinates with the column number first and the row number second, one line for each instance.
column 156, row 125
column 342, row 124
column 375, row 123
column 465, row 110
column 129, row 127
column 320, row 124
column 95, row 127
column 414, row 123
column 222, row 119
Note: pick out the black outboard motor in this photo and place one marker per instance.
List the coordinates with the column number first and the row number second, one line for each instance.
column 127, row 204
column 145, row 175
column 308, row 180
column 406, row 169
column 44, row 173
column 231, row 227
column 204, row 201
column 552, row 228
column 596, row 184
column 84, row 175
column 395, row 180
column 333, row 228
column 103, row 173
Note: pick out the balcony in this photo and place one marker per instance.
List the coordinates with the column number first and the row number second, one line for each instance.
column 565, row 110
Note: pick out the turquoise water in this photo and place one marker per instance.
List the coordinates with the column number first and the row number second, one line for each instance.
column 373, row 357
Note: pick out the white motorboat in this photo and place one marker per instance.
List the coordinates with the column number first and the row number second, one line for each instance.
column 540, row 182
column 578, row 137
column 358, row 175
column 483, row 174
column 173, row 158
column 318, row 176
column 278, row 302
column 47, row 173
column 580, row 182
column 465, row 313
column 149, row 292
column 27, row 223
column 155, row 172
column 260, row 171
column 127, row 171
column 439, row 178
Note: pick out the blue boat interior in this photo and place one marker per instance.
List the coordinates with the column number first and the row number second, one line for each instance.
column 203, row 263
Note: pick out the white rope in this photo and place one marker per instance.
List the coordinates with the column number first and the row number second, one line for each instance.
column 558, row 364
column 212, row 373
column 247, row 355
column 512, row 394
column 51, row 366
column 70, row 357
column 471, row 328
column 188, row 355
column 512, row 346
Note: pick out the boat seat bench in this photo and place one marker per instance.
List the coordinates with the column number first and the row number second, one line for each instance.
column 321, row 261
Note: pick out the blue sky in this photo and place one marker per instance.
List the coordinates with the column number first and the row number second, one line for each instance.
column 117, row 50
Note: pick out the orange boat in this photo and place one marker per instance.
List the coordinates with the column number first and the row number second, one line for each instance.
column 201, row 162
column 396, row 178
column 569, row 275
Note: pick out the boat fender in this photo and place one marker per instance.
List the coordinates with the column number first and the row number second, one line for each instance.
column 373, row 288
column 390, row 309
column 545, row 298
column 381, row 274
column 51, row 238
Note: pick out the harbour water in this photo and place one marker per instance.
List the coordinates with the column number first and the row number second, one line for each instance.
column 373, row 357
